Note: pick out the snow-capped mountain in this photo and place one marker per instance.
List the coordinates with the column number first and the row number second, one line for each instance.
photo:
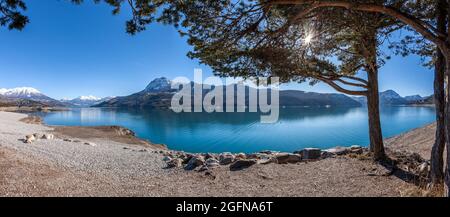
column 159, row 85
column 390, row 97
column 28, row 93
column 158, row 94
column 20, row 92
column 89, row 98
column 85, row 101
column 414, row 98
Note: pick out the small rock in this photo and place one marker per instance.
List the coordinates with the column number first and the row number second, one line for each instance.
column 174, row 163
column 423, row 168
column 310, row 153
column 77, row 141
column 226, row 158
column 209, row 174
column 284, row 158
column 48, row 136
column 30, row 139
column 167, row 159
column 212, row 162
column 90, row 144
column 242, row 164
column 67, row 140
column 194, row 162
column 36, row 136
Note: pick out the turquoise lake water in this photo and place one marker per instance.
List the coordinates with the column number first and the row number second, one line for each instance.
column 297, row 128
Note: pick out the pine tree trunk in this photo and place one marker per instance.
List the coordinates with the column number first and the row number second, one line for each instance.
column 447, row 128
column 437, row 158
column 373, row 106
column 437, row 152
column 447, row 123
column 446, row 53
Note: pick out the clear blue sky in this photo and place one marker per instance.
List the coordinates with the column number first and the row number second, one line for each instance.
column 69, row 50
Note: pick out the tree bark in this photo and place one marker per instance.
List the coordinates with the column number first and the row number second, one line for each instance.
column 446, row 53
column 437, row 152
column 447, row 128
column 373, row 106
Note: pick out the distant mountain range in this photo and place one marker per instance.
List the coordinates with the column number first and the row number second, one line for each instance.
column 158, row 94
column 85, row 101
column 28, row 96
column 31, row 97
column 390, row 97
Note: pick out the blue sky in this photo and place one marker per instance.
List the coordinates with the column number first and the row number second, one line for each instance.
column 69, row 50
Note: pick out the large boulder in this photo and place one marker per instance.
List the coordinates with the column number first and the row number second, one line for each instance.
column 177, row 162
column 194, row 162
column 209, row 155
column 242, row 164
column 186, row 157
column 284, row 158
column 268, row 152
column 212, row 162
column 356, row 149
column 310, row 153
column 267, row 160
column 241, row 156
column 226, row 158
column 338, row 151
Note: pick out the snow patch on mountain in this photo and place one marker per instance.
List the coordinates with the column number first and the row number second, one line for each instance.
column 89, row 98
column 20, row 91
column 414, row 98
column 159, row 85
column 390, row 94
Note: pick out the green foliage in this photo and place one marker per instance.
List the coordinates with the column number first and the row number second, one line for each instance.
column 11, row 14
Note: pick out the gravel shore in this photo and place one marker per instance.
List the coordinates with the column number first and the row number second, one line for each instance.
column 67, row 166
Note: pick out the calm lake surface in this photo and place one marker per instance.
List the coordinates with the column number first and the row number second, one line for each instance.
column 297, row 128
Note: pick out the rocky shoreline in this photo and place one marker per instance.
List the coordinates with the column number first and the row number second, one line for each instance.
column 205, row 161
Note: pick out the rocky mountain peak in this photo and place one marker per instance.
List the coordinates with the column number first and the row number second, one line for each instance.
column 159, row 85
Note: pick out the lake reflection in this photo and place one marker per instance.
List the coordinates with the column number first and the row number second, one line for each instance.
column 297, row 128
